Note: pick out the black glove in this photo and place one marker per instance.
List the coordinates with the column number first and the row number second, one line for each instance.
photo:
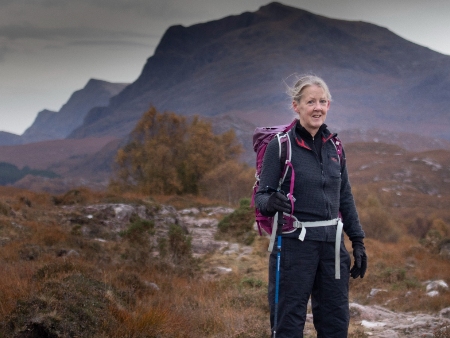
column 278, row 202
column 359, row 253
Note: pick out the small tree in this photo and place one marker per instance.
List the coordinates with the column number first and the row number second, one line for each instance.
column 166, row 155
column 148, row 162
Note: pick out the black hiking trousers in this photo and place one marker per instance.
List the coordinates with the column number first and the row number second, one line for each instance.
column 308, row 269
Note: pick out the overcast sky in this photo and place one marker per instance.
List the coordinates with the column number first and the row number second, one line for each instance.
column 51, row 48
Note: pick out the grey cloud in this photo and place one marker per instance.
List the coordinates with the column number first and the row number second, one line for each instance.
column 159, row 10
column 3, row 51
column 45, row 3
column 27, row 31
column 109, row 43
column 5, row 2
column 137, row 6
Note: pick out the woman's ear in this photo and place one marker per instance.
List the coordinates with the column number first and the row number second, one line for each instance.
column 294, row 106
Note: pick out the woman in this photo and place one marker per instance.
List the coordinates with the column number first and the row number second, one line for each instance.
column 310, row 265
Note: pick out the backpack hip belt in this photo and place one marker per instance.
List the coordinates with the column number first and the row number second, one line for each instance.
column 303, row 225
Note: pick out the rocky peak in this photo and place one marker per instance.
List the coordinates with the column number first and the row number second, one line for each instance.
column 50, row 125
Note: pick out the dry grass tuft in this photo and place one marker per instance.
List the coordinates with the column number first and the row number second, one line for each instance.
column 442, row 332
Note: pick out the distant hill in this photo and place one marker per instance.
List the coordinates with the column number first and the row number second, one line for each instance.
column 50, row 125
column 392, row 170
column 237, row 65
column 408, row 141
column 49, row 155
column 9, row 139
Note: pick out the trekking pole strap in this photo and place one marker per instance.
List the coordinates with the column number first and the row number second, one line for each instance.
column 274, row 232
column 337, row 246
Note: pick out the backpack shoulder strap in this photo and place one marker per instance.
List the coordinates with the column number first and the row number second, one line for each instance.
column 339, row 149
column 285, row 154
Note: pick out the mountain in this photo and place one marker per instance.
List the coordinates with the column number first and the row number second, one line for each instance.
column 43, row 128
column 239, row 65
column 50, row 125
column 9, row 139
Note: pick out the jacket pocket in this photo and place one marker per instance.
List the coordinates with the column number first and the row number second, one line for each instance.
column 333, row 167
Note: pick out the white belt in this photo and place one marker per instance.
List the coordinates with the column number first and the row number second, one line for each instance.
column 304, row 225
column 337, row 246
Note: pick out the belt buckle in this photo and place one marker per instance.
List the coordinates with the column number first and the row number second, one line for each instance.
column 297, row 224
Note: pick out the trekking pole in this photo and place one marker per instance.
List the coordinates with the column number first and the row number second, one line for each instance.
column 280, row 223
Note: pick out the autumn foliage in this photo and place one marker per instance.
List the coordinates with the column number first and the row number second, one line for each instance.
column 167, row 154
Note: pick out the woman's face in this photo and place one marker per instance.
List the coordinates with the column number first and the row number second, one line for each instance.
column 312, row 108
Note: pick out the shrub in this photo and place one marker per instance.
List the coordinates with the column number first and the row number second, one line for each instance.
column 51, row 270
column 4, row 209
column 252, row 282
column 135, row 233
column 377, row 222
column 162, row 246
column 239, row 224
column 74, row 196
column 419, row 227
column 179, row 243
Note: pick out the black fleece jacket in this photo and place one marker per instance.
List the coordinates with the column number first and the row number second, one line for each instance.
column 321, row 188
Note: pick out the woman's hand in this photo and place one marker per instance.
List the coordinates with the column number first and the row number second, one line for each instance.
column 359, row 253
column 278, row 202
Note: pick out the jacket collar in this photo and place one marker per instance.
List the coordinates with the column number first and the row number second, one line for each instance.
column 301, row 135
column 304, row 134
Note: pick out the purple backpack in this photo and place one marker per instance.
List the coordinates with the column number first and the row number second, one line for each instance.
column 261, row 138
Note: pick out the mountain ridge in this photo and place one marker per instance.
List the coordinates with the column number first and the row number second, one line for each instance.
column 51, row 125
column 237, row 66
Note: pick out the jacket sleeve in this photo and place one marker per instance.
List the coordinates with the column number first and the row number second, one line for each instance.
column 269, row 177
column 347, row 207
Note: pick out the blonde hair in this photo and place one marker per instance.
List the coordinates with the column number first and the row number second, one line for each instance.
column 304, row 81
